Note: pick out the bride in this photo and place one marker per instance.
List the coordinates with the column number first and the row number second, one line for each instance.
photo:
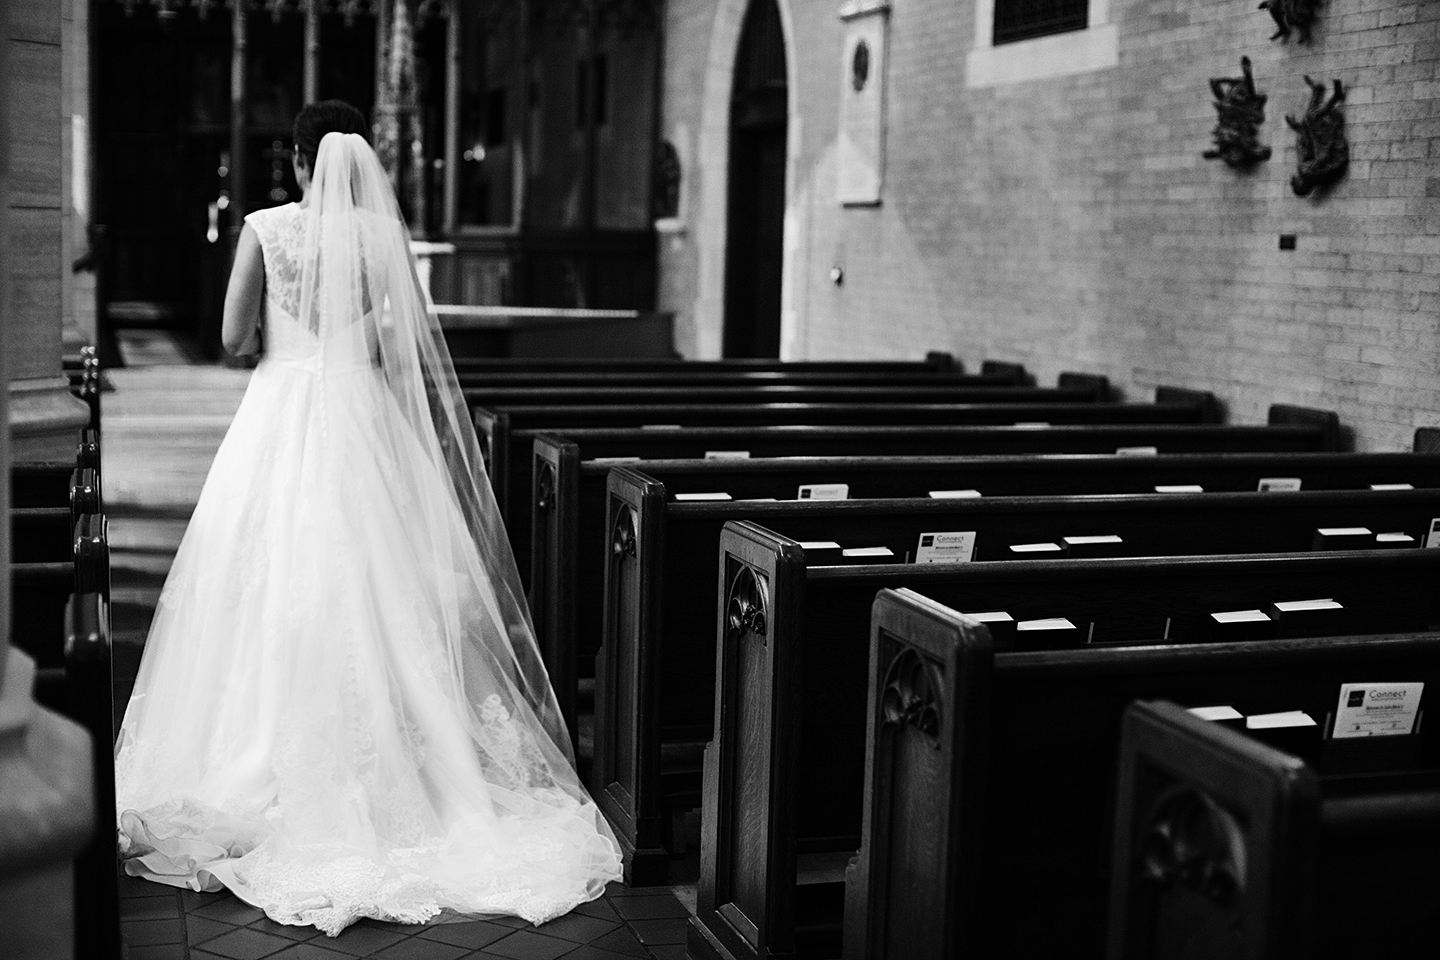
column 341, row 710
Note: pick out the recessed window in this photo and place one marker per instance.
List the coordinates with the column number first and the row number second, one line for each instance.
column 1017, row 41
column 1025, row 19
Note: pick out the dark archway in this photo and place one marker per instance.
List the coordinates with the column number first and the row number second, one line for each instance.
column 755, row 237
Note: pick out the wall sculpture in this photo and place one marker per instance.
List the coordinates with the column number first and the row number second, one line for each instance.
column 1320, row 140
column 1241, row 110
column 1292, row 14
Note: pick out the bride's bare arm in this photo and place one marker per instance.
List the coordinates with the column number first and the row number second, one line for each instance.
column 240, row 331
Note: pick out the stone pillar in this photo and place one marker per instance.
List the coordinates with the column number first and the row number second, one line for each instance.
column 46, row 794
column 45, row 417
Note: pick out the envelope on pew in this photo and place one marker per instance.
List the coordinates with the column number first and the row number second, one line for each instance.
column 1293, row 731
column 1309, row 618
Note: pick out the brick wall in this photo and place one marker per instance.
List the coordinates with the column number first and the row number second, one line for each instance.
column 1072, row 223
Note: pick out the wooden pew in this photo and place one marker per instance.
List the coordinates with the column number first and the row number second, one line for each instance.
column 1226, row 846
column 567, row 551
column 557, row 527
column 949, row 770
column 887, row 440
column 682, row 377
column 934, row 361
column 789, row 722
column 505, row 433
column 654, row 688
column 60, row 617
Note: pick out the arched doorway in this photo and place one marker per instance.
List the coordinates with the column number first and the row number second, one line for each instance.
column 756, row 217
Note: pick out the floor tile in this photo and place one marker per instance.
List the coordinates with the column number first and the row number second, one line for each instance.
column 621, row 941
column 649, row 908
column 613, row 890
column 591, row 952
column 160, row 951
column 198, row 929
column 361, row 941
column 288, row 931
column 145, row 933
column 246, row 944
column 598, row 908
column 674, row 951
column 308, row 951
column 578, row 928
column 670, row 930
column 135, row 887
column 414, row 948
column 149, row 908
column 472, row 935
column 525, row 945
column 230, row 909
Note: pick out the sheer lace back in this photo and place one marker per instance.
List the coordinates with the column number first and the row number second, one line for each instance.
column 282, row 235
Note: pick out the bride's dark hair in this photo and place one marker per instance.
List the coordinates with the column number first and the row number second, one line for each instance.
column 325, row 116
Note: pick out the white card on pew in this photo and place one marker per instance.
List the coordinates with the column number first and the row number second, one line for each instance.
column 1274, row 721
column 659, row 426
column 867, row 552
column 1137, row 451
column 1089, row 541
column 757, row 499
column 1392, row 486
column 1296, row 606
column 1432, row 538
column 823, row 491
column 956, row 546
column 1394, row 538
column 717, row 495
column 1240, row 616
column 616, row 460
column 1344, row 531
column 1052, row 623
column 954, row 494
column 819, row 545
column 991, row 616
column 1034, row 548
column 1377, row 709
column 1179, row 488
column 727, row 454
column 1217, row 713
column 1278, row 484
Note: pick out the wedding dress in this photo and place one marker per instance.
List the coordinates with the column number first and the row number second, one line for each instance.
column 341, row 710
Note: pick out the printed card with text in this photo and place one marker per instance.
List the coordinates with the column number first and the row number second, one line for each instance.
column 956, row 546
column 1278, row 484
column 823, row 491
column 1432, row 537
column 1377, row 709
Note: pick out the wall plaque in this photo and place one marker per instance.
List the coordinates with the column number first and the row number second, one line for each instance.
column 861, row 147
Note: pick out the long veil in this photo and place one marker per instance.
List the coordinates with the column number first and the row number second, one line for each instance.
column 359, row 283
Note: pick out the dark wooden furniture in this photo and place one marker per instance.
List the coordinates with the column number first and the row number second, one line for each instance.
column 934, row 360
column 1228, row 847
column 654, row 687
column 789, row 723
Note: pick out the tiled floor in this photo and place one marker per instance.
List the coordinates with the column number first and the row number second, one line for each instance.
column 160, row 923
column 162, row 425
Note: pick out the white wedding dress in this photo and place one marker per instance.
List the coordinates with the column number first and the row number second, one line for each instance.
column 340, row 712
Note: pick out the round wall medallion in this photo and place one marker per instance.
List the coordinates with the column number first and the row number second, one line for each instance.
column 860, row 66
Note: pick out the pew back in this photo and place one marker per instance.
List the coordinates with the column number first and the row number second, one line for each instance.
column 791, row 675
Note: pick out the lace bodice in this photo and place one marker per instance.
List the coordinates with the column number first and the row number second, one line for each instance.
column 281, row 231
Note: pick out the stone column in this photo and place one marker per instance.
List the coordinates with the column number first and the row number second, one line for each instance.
column 45, row 417
column 46, row 795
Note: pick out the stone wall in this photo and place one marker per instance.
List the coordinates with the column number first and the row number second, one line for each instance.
column 1071, row 222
